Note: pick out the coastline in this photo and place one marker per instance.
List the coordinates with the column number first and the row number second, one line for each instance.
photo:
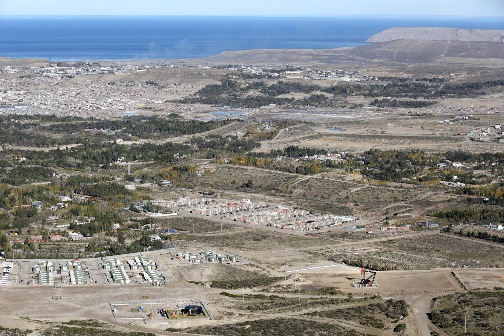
column 95, row 38
column 198, row 60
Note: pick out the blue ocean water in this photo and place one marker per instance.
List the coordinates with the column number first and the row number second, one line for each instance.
column 170, row 37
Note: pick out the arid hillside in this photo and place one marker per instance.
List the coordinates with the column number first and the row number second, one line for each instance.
column 438, row 34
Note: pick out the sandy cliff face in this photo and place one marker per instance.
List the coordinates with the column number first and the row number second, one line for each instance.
column 438, row 34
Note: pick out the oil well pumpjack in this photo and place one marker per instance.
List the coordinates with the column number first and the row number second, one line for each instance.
column 366, row 282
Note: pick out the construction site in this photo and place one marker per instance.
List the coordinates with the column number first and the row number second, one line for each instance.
column 255, row 213
column 158, row 311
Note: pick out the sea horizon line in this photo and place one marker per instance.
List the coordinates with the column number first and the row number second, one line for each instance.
column 353, row 16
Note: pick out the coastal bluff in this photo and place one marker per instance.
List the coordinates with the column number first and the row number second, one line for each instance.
column 438, row 34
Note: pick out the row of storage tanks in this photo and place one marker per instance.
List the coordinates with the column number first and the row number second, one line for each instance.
column 117, row 271
column 6, row 270
column 146, row 266
column 74, row 269
column 45, row 272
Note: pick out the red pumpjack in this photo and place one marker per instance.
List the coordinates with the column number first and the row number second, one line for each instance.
column 369, row 281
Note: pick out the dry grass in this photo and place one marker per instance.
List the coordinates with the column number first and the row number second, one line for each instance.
column 448, row 252
column 258, row 240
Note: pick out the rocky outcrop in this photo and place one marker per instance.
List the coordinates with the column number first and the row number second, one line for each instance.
column 439, row 34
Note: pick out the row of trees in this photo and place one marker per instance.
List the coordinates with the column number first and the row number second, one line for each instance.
column 142, row 127
column 308, row 167
column 422, row 167
column 480, row 215
column 62, row 131
column 19, row 175
column 227, row 144
column 100, row 218
column 19, row 219
column 103, row 155
column 477, row 233
column 107, row 191
column 293, row 151
column 395, row 165
column 493, row 192
column 402, row 103
column 232, row 92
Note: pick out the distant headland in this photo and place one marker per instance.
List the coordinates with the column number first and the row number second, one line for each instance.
column 438, row 34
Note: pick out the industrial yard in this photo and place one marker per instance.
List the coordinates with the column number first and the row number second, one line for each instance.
column 123, row 294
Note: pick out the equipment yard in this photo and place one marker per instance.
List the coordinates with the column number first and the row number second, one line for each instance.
column 302, row 286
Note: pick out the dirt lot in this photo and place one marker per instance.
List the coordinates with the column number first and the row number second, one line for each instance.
column 303, row 268
column 34, row 306
column 36, row 302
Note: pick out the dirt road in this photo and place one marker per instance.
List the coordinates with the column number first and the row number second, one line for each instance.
column 420, row 306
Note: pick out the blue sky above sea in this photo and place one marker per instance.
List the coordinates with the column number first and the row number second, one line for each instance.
column 179, row 37
column 467, row 8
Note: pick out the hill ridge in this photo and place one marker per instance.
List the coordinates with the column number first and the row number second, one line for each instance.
column 438, row 34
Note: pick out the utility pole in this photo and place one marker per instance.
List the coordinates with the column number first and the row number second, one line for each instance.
column 465, row 323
